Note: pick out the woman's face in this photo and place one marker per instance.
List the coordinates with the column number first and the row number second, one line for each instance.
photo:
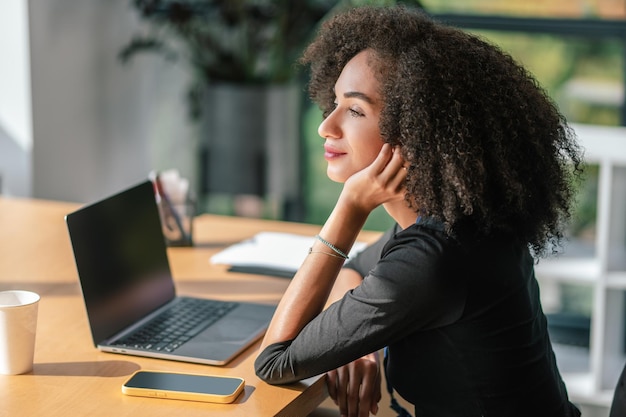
column 351, row 130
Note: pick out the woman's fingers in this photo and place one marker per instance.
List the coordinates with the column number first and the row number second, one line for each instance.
column 342, row 390
column 388, row 167
column 396, row 170
column 355, row 387
column 331, row 384
column 382, row 181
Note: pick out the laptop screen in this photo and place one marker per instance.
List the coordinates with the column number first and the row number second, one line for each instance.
column 121, row 259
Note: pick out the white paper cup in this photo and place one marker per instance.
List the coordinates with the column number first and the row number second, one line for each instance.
column 18, row 325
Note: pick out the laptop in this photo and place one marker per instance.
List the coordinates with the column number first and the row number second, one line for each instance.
column 128, row 289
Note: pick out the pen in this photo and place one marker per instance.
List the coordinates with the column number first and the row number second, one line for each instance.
column 167, row 205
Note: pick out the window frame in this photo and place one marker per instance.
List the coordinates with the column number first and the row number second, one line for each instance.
column 591, row 28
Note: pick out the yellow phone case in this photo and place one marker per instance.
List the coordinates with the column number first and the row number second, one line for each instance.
column 139, row 384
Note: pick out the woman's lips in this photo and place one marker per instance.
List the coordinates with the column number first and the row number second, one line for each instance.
column 332, row 153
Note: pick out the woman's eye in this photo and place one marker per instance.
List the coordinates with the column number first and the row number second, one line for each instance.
column 355, row 113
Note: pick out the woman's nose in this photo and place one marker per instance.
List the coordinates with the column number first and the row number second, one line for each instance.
column 329, row 128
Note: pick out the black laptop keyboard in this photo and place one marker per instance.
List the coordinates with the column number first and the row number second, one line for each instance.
column 177, row 325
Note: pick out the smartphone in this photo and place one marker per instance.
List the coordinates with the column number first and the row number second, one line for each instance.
column 184, row 386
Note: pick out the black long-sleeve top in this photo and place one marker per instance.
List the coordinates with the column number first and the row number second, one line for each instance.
column 463, row 323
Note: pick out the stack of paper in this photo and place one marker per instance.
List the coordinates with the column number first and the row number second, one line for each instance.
column 270, row 253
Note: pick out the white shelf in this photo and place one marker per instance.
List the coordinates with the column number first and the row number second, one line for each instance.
column 616, row 280
column 590, row 374
column 581, row 270
column 580, row 388
column 602, row 143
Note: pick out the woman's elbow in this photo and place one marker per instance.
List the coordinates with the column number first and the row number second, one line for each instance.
column 264, row 371
column 270, row 367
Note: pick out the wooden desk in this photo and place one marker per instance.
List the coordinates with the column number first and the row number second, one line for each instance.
column 72, row 378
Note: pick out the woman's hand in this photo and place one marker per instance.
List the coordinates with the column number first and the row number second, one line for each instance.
column 355, row 387
column 381, row 182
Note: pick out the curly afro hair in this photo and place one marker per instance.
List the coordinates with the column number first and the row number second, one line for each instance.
column 489, row 152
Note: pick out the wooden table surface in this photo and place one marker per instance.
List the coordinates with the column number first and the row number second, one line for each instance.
column 72, row 378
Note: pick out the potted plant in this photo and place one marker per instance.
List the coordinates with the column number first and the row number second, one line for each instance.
column 249, row 42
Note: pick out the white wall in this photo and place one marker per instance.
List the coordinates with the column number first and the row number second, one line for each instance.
column 97, row 126
column 15, row 110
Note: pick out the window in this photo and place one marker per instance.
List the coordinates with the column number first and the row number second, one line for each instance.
column 606, row 9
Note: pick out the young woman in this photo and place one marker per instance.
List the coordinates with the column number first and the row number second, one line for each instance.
column 475, row 164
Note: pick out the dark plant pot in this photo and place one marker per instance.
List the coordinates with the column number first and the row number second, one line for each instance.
column 251, row 140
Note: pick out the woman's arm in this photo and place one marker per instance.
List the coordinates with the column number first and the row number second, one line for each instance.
column 310, row 288
column 347, row 279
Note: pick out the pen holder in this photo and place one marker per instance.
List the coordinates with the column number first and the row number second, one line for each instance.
column 177, row 221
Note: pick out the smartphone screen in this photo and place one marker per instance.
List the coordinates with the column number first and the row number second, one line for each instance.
column 211, row 388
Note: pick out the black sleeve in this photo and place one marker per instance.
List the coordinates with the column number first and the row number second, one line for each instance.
column 367, row 259
column 403, row 293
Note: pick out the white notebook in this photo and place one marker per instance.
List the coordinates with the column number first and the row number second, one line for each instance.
column 271, row 253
